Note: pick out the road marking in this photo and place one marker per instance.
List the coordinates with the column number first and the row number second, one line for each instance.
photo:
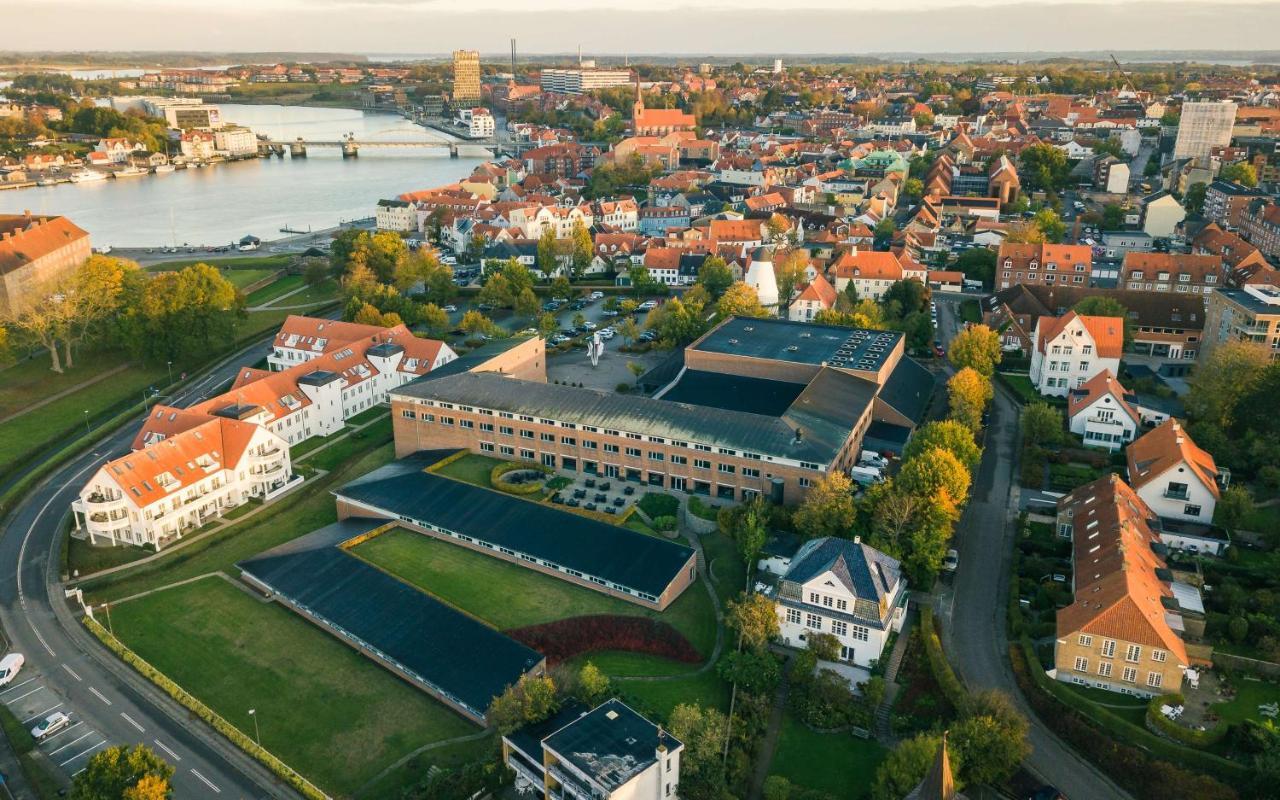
column 165, row 748
column 71, row 671
column 98, row 695
column 82, row 752
column 129, row 720
column 22, row 554
column 73, row 741
column 42, row 713
column 206, row 781
column 17, row 686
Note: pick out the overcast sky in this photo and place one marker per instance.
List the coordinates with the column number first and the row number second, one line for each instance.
column 664, row 26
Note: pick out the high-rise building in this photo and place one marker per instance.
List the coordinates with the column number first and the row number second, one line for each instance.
column 1203, row 126
column 466, row 77
column 581, row 81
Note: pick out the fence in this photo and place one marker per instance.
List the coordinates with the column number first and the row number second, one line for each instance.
column 1268, row 669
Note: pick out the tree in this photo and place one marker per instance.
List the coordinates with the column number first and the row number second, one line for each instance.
column 1241, row 172
column 992, row 739
column 751, row 531
column 1050, row 225
column 790, row 276
column 1224, row 375
column 531, row 699
column 715, row 276
column 113, row 772
column 473, row 322
column 913, row 188
column 583, row 250
column 434, row 319
column 740, row 300
column 935, row 473
column 517, row 276
column 560, row 287
column 628, row 330
column 1193, row 200
column 1234, row 507
column 754, row 617
column 754, row 671
column 777, row 787
column 903, row 770
column 315, row 271
column 978, row 264
column 547, row 325
column 978, row 348
column 548, row 253
column 526, row 303
column 1112, row 217
column 967, row 395
column 927, row 538
column 593, row 685
column 680, row 320
column 148, row 787
column 883, row 232
column 828, row 509
column 949, row 435
column 825, row 646
column 381, row 252
column 1101, row 306
column 182, row 314
column 369, row 315
column 703, row 732
column 1041, row 424
column 904, row 297
column 1043, row 167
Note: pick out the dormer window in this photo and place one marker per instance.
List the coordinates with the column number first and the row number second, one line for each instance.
column 1034, row 264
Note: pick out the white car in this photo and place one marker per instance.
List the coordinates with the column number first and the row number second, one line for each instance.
column 647, row 305
column 595, row 295
column 591, row 326
column 50, row 725
column 450, row 308
column 952, row 561
column 607, row 333
column 10, row 665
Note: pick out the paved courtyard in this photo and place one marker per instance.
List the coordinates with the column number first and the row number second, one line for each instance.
column 575, row 367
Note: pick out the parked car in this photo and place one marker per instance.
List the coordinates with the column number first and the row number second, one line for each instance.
column 608, row 333
column 450, row 308
column 10, row 665
column 951, row 561
column 50, row 725
column 647, row 305
column 609, row 312
column 866, row 475
column 589, row 326
column 595, row 295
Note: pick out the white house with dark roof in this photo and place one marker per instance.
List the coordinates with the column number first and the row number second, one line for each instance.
column 1100, row 413
column 844, row 588
column 608, row 753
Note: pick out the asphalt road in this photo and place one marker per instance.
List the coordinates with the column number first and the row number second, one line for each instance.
column 75, row 674
column 972, row 609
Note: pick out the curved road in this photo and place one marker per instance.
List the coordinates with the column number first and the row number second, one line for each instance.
column 974, row 611
column 113, row 704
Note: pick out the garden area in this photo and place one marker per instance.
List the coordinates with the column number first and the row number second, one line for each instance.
column 322, row 707
column 1042, row 562
column 836, row 764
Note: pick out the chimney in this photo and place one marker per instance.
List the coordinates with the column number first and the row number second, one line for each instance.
column 857, row 540
column 799, row 436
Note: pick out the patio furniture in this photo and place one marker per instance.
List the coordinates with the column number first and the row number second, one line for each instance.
column 601, row 498
column 590, row 483
column 604, row 486
column 590, row 506
column 610, row 510
column 630, row 490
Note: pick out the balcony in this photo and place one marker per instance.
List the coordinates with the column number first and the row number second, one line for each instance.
column 98, row 502
column 576, row 787
column 1100, row 421
column 1176, row 494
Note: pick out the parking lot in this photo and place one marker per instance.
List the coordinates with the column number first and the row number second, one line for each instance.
column 30, row 699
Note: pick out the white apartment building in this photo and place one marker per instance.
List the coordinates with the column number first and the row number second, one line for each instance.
column 581, row 81
column 235, row 141
column 844, row 588
column 156, row 495
column 1203, row 126
column 478, row 122
column 535, row 219
column 1172, row 475
column 1067, row 351
column 1099, row 412
column 624, row 215
column 608, row 753
column 400, row 216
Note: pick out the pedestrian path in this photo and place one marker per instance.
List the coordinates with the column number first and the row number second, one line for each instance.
column 883, row 728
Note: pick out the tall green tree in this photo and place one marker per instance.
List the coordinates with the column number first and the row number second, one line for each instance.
column 908, row 763
column 583, row 250
column 978, row 348
column 715, row 275
column 968, row 394
column 952, row 436
column 548, row 258
column 113, row 773
column 529, row 700
column 828, row 508
column 936, row 473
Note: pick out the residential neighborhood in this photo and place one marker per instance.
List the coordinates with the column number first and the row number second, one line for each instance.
column 509, row 412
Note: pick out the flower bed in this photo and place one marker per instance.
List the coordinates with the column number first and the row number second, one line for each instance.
column 563, row 639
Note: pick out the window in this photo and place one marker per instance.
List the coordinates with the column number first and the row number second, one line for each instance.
column 813, row 621
column 526, row 434
column 860, row 633
column 1158, row 655
column 679, row 460
column 1082, row 664
column 701, row 463
column 839, row 628
column 1130, row 675
column 805, row 483
column 1108, row 648
column 610, row 448
column 1104, row 669
column 1154, row 679
column 654, row 455
column 828, row 601
column 1191, row 510
column 487, row 427
column 842, row 605
column 588, row 445
column 506, row 430
column 568, row 441
column 813, row 598
column 1086, row 350
column 793, row 616
column 486, row 447
column 1086, row 641
column 727, row 468
column 548, row 437
column 1133, row 653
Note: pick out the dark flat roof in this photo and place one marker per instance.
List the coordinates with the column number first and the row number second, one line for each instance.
column 473, row 359
column 611, row 552
column 461, row 657
column 318, row 378
column 801, row 342
column 734, row 392
column 612, row 744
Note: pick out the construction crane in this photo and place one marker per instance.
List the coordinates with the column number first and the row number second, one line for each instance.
column 1128, row 81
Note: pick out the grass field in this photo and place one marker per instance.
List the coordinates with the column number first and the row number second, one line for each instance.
column 308, row 508
column 239, row 276
column 277, row 288
column 265, row 262
column 1132, row 709
column 659, row 697
column 839, row 764
column 471, row 468
column 323, row 708
column 466, row 579
column 84, row 558
column 1249, row 695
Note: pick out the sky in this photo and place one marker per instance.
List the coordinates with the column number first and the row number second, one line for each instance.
column 617, row 27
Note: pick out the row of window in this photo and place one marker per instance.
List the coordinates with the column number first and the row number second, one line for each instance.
column 1050, row 267
column 1132, row 653
column 1066, row 350
column 1128, row 674
column 838, row 627
column 1048, row 278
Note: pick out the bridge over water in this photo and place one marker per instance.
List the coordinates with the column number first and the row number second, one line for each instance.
column 351, row 147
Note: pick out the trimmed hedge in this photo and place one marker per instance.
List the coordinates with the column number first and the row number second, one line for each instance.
column 496, row 478
column 702, row 510
column 563, row 639
column 290, row 776
column 1181, row 733
column 950, row 685
column 656, row 505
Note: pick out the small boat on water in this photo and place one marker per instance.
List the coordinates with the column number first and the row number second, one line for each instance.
column 87, row 176
column 130, row 172
column 164, row 168
column 47, row 181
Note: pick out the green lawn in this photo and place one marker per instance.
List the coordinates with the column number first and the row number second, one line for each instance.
column 1249, row 695
column 84, row 558
column 659, row 697
column 466, row 579
column 319, row 293
column 970, row 311
column 471, row 468
column 1263, row 519
column 308, row 508
column 1021, row 386
column 323, row 708
column 1131, row 709
column 270, row 292
column 728, row 572
column 839, row 764
column 271, row 263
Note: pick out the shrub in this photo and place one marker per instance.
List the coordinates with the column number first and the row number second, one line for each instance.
column 702, row 510
column 950, row 685
column 623, row 387
column 500, row 483
column 656, row 505
column 664, row 523
column 563, row 639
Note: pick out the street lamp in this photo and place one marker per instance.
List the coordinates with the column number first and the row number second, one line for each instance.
column 86, row 420
column 253, row 712
column 170, row 365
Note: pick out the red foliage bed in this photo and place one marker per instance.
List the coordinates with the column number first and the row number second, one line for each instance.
column 566, row 638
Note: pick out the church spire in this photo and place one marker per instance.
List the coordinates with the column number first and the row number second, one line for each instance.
column 938, row 783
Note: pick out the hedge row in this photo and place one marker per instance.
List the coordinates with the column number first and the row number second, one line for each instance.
column 563, row 639
column 1119, row 730
column 1181, row 733
column 496, row 478
column 184, row 698
column 950, row 685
